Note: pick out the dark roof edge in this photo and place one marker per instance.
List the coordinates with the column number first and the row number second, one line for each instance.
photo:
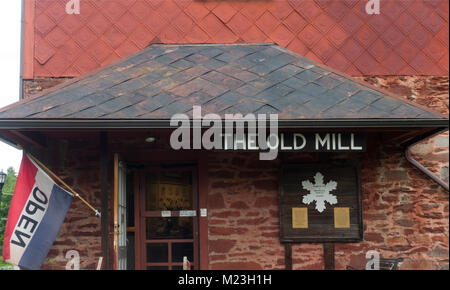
column 34, row 124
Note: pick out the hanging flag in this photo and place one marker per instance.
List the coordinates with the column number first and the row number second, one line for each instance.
column 37, row 210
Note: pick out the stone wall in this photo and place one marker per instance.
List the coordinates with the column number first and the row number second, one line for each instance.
column 404, row 214
column 243, row 213
column 77, row 163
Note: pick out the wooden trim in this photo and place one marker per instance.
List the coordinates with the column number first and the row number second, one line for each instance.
column 125, row 133
column 357, row 165
column 138, row 211
column 402, row 137
column 28, row 39
column 137, row 222
column 104, row 189
column 203, row 203
column 115, row 209
column 28, row 140
column 164, row 264
column 173, row 241
column 146, row 124
column 195, row 219
column 13, row 139
column 141, row 213
column 169, row 256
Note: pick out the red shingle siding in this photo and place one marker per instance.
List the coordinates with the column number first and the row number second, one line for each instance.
column 407, row 38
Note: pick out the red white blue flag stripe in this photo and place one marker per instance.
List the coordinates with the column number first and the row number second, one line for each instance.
column 37, row 210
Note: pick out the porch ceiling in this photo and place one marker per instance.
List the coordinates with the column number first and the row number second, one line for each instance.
column 163, row 80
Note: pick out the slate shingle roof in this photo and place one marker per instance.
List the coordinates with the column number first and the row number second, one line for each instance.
column 163, row 80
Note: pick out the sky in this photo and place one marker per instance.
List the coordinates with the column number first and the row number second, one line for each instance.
column 10, row 30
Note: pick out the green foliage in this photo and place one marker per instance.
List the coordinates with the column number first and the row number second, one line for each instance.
column 10, row 181
column 3, row 264
column 9, row 186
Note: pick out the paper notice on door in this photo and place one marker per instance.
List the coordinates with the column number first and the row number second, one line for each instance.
column 203, row 212
column 299, row 217
column 342, row 217
column 166, row 213
column 188, row 213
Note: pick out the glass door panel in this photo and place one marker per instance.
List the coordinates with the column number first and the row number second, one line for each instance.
column 169, row 228
column 157, row 253
column 180, row 250
column 168, row 190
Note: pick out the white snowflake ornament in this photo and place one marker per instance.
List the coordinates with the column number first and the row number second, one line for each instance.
column 319, row 192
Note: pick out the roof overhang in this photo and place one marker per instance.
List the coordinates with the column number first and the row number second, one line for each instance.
column 99, row 124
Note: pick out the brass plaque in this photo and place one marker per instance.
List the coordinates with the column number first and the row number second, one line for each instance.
column 342, row 217
column 300, row 217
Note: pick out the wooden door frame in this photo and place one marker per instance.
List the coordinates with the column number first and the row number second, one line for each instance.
column 139, row 204
column 198, row 157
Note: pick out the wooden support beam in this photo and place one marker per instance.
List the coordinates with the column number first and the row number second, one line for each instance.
column 104, row 189
column 328, row 256
column 49, row 152
column 401, row 137
column 27, row 140
column 288, row 256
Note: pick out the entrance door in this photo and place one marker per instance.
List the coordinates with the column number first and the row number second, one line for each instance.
column 166, row 218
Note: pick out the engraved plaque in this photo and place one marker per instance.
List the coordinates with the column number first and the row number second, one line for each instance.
column 300, row 217
column 342, row 217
